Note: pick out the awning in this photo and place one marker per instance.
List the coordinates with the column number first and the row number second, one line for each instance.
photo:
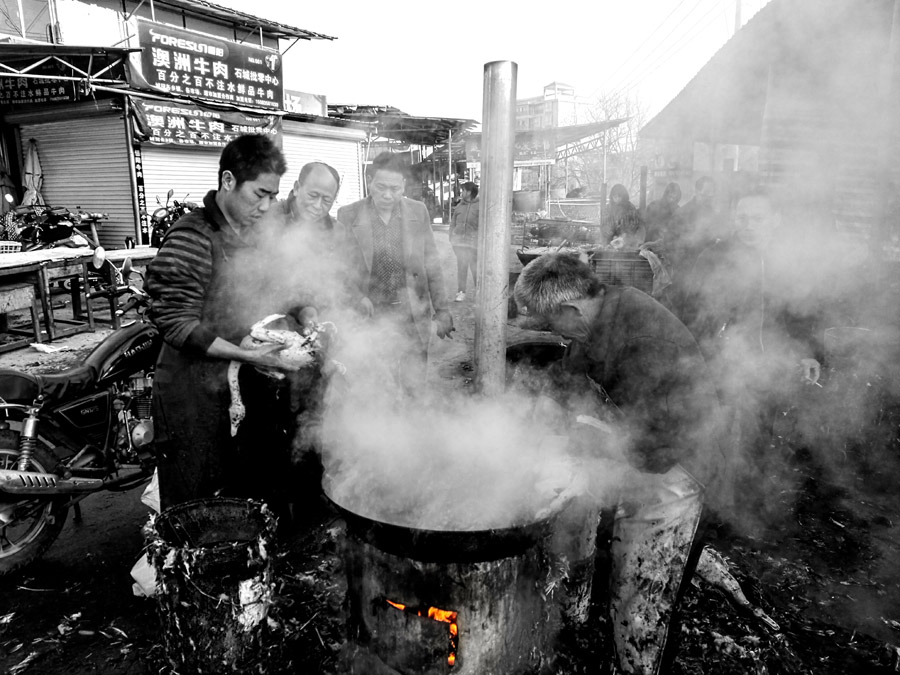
column 103, row 65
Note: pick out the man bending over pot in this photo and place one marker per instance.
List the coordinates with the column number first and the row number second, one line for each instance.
column 648, row 379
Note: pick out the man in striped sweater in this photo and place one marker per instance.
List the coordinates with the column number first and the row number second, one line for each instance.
column 206, row 294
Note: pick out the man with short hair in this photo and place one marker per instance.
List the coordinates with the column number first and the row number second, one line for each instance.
column 307, row 251
column 202, row 286
column 310, row 199
column 400, row 274
column 648, row 384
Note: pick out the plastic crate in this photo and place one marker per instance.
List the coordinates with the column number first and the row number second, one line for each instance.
column 10, row 246
column 623, row 268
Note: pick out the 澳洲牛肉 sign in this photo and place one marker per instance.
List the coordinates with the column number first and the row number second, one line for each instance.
column 187, row 63
column 165, row 123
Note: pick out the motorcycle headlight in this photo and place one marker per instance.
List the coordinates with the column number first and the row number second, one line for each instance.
column 98, row 258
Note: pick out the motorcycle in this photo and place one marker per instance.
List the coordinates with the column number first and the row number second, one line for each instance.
column 67, row 435
column 38, row 226
column 166, row 215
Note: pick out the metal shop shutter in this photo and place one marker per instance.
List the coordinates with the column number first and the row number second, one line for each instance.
column 339, row 149
column 85, row 166
column 190, row 172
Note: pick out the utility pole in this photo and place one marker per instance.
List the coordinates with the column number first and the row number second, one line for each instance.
column 492, row 290
column 737, row 15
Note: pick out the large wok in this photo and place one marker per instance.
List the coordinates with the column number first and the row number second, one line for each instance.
column 442, row 545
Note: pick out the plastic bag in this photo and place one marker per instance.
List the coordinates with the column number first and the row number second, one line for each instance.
column 150, row 496
column 144, row 575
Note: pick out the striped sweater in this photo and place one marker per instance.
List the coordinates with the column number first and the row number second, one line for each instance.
column 180, row 275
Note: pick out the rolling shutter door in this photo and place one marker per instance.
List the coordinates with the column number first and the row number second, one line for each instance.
column 190, row 172
column 304, row 143
column 85, row 166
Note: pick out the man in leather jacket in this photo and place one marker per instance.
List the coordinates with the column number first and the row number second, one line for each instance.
column 400, row 272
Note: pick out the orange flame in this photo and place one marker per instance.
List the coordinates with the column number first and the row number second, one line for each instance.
column 442, row 615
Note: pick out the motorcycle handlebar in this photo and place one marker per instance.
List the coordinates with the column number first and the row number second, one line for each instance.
column 136, row 300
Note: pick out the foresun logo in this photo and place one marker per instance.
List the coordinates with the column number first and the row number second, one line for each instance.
column 189, row 45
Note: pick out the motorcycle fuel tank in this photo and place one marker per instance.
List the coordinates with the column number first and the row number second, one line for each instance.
column 126, row 353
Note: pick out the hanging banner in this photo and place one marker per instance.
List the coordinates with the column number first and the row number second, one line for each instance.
column 141, row 193
column 164, row 123
column 188, row 63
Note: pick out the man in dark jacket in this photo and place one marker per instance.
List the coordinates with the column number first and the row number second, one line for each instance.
column 464, row 238
column 400, row 272
column 659, row 216
column 755, row 306
column 650, row 375
column 202, row 285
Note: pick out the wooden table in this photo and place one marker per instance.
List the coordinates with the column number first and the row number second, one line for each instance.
column 44, row 267
column 140, row 256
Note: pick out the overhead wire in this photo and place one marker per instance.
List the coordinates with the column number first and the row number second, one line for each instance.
column 641, row 46
column 661, row 44
column 695, row 29
column 692, row 32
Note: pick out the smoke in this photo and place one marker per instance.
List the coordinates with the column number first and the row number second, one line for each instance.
column 799, row 293
column 294, row 266
column 448, row 462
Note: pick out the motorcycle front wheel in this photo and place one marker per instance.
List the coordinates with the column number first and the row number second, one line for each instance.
column 27, row 526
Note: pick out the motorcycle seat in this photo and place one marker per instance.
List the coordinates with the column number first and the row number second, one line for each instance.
column 19, row 387
column 69, row 383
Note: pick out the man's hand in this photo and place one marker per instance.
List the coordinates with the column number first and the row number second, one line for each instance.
column 308, row 317
column 811, row 370
column 266, row 356
column 444, row 324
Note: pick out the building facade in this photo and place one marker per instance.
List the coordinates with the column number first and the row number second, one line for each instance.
column 117, row 127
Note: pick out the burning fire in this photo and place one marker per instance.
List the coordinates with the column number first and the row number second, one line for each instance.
column 442, row 615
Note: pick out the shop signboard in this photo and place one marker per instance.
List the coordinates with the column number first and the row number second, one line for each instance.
column 184, row 124
column 31, row 90
column 196, row 65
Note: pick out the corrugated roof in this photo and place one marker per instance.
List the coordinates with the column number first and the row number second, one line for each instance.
column 725, row 100
column 690, row 113
column 555, row 137
column 239, row 19
column 392, row 123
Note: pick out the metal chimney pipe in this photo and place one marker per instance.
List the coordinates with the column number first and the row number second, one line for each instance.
column 495, row 194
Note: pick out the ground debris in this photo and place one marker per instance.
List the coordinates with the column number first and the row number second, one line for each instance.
column 23, row 664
